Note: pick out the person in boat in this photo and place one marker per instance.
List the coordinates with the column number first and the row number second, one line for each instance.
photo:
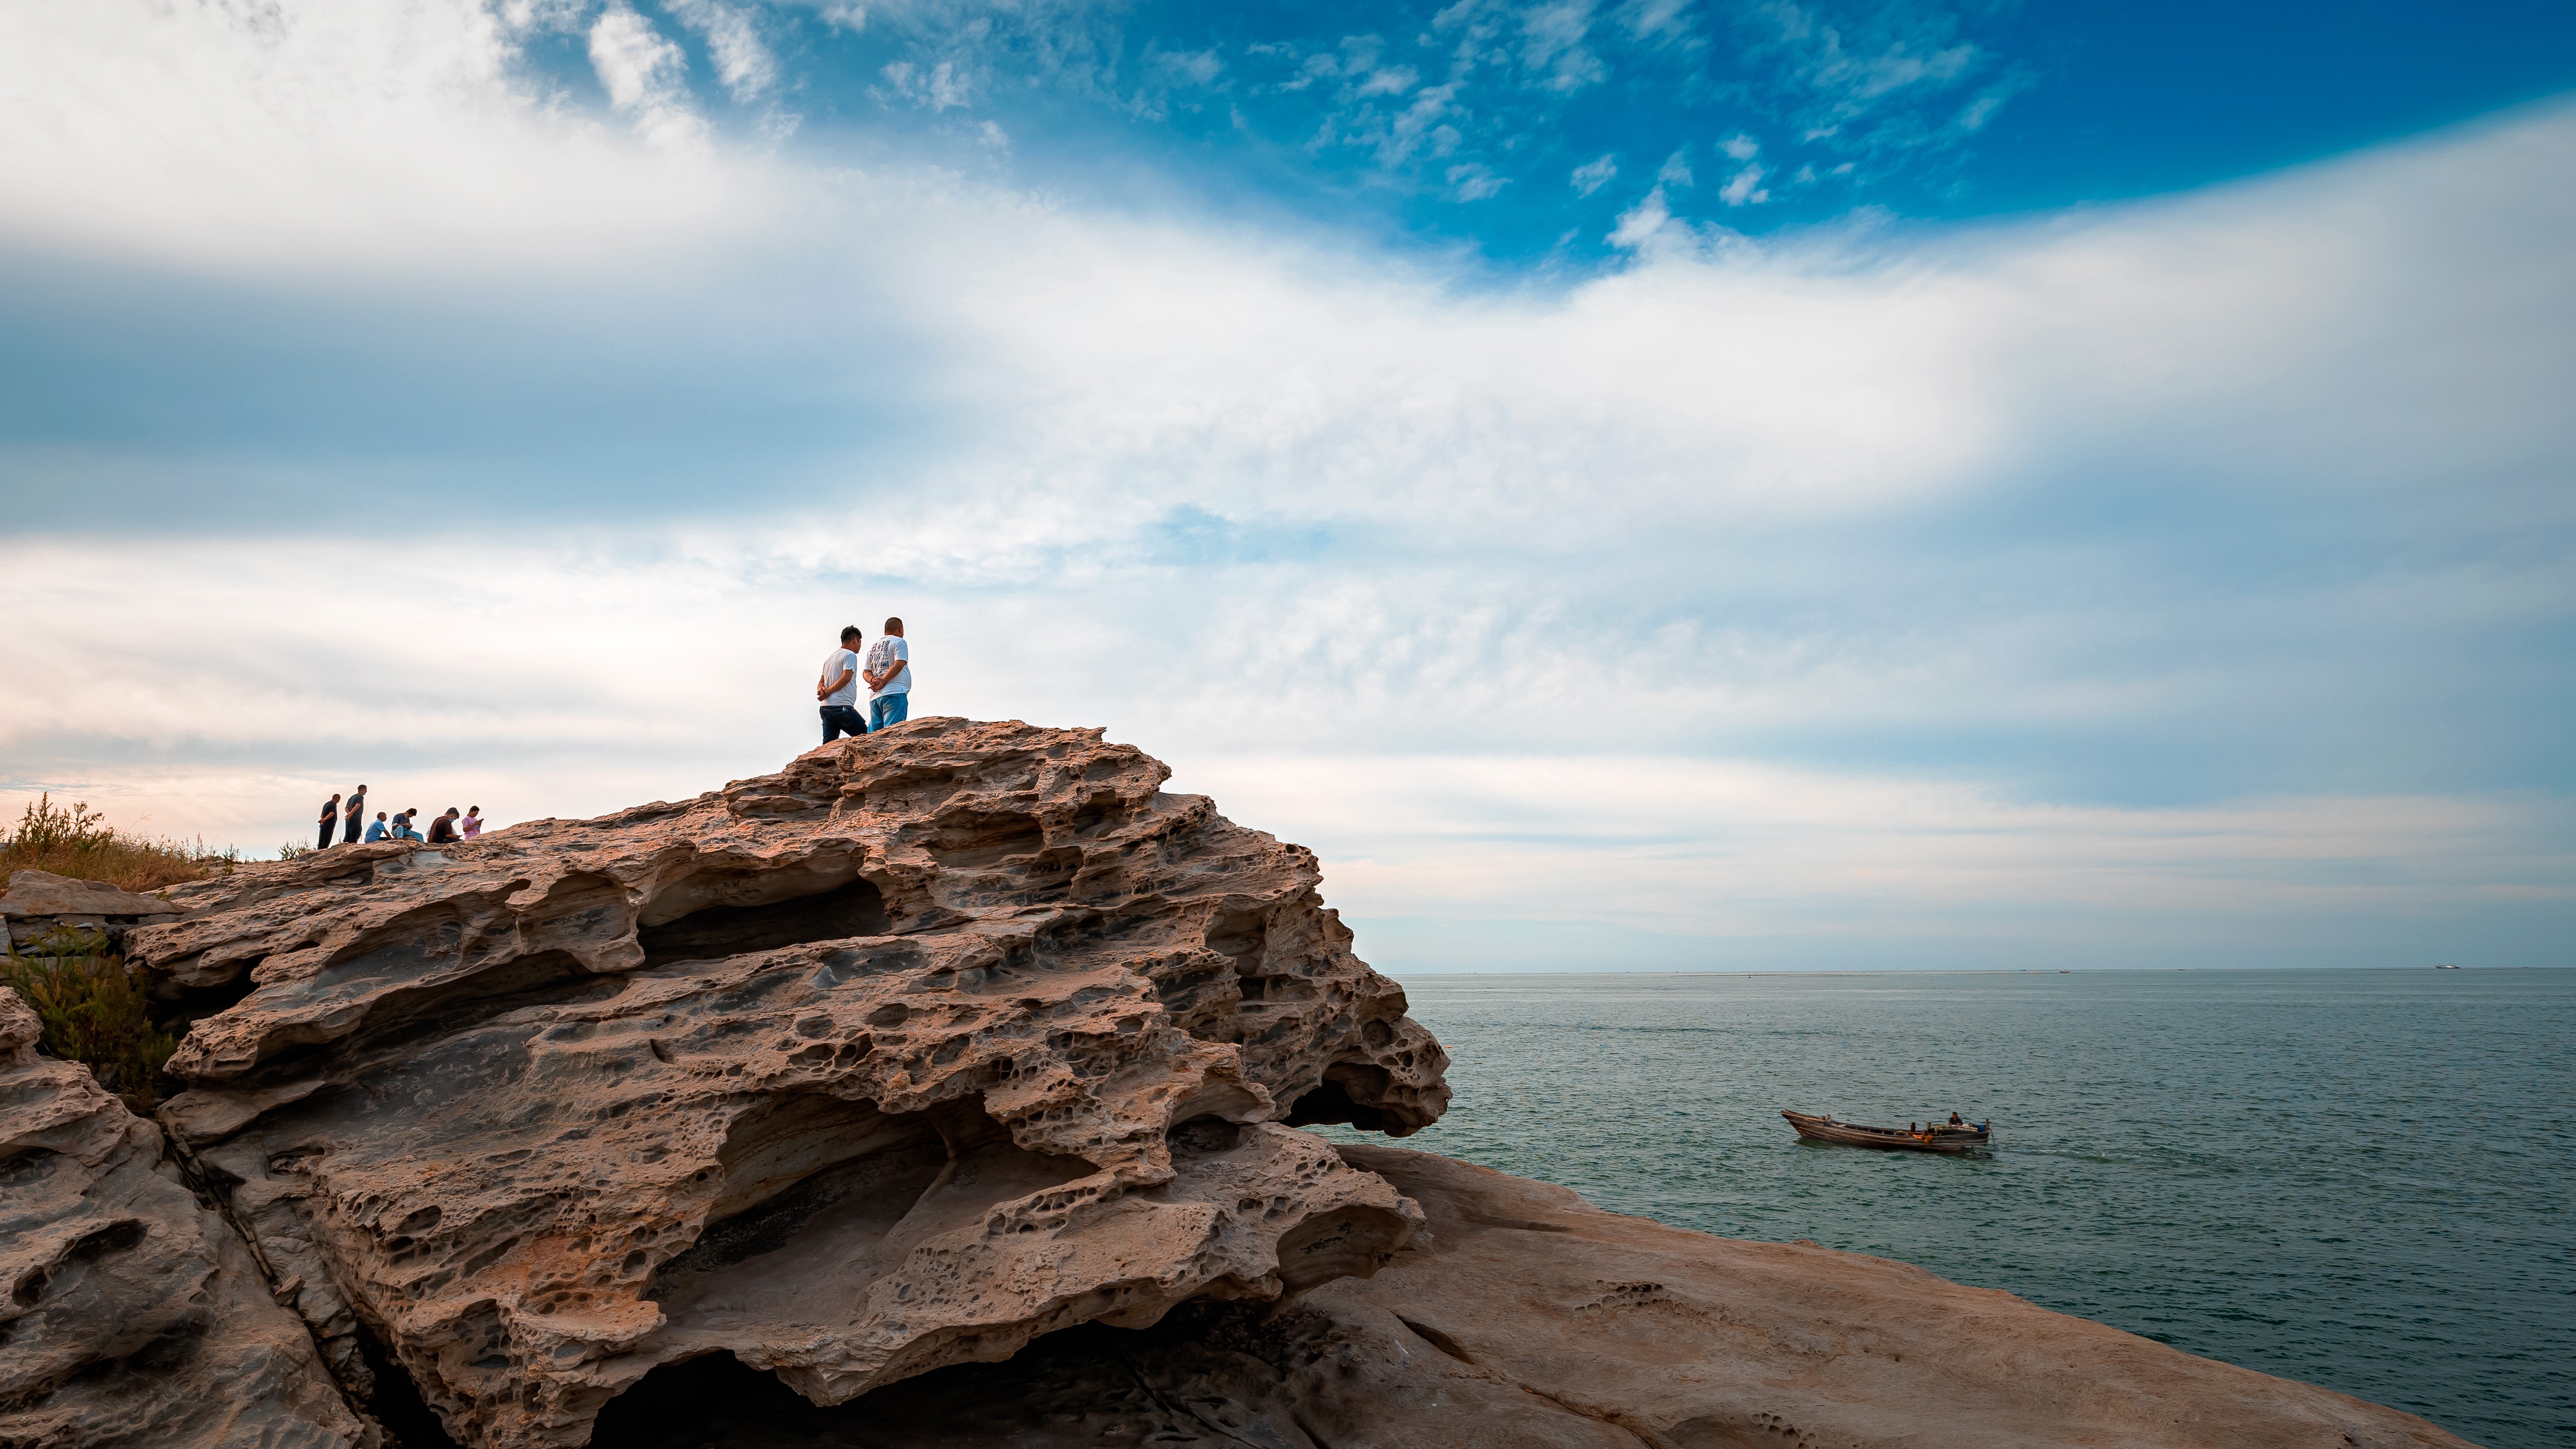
column 1956, row 1124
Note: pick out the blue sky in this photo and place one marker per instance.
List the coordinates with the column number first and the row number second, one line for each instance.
column 1631, row 485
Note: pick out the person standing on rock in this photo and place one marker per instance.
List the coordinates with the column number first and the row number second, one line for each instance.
column 330, row 821
column 838, row 688
column 889, row 677
column 356, row 815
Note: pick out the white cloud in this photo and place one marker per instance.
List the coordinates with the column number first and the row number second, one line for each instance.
column 937, row 87
column 742, row 59
column 1745, row 187
column 1394, row 80
column 1676, row 170
column 1340, row 521
column 354, row 136
column 1592, row 175
column 1196, row 67
column 646, row 77
column 1475, row 183
column 1642, row 223
column 1742, row 147
column 1552, row 45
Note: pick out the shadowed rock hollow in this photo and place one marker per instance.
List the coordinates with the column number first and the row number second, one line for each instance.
column 934, row 1042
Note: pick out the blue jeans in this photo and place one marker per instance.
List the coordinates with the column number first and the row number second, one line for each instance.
column 839, row 720
column 889, row 709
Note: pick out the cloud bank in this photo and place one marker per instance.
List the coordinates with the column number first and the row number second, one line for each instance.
column 2185, row 581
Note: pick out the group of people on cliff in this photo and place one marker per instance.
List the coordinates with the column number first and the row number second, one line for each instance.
column 886, row 670
column 453, row 826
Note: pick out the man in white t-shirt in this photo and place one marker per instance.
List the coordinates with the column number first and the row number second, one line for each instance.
column 889, row 676
column 838, row 688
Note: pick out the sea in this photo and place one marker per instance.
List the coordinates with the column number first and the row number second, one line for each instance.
column 2360, row 1178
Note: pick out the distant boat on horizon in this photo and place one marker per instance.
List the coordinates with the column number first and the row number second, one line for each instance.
column 2445, row 968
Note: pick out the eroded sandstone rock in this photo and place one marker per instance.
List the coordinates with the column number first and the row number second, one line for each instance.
column 130, row 1316
column 1529, row 1320
column 938, row 1040
column 37, row 902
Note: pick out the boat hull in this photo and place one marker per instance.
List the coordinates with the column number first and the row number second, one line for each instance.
column 1888, row 1139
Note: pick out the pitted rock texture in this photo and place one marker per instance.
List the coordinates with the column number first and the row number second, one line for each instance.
column 1527, row 1319
column 938, row 1040
column 131, row 1317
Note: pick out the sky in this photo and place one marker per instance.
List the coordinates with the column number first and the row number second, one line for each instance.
column 1665, row 485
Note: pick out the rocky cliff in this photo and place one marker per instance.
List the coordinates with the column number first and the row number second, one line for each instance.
column 958, row 1067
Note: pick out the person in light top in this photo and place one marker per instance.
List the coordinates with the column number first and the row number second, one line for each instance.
column 889, row 676
column 378, row 830
column 472, row 824
column 837, row 688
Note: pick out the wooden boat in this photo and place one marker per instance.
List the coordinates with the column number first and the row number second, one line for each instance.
column 1938, row 1137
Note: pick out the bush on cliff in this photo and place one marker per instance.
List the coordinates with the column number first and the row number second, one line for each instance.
column 76, row 841
column 93, row 1012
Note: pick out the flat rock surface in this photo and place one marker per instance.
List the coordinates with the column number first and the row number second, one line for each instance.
column 42, row 893
column 1530, row 1320
column 130, row 1316
column 936, row 1041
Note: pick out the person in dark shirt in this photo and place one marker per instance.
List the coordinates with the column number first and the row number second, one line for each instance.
column 356, row 815
column 442, row 831
column 330, row 821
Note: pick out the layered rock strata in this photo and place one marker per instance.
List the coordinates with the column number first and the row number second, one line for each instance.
column 1526, row 1319
column 39, row 902
column 938, row 1040
column 130, row 1316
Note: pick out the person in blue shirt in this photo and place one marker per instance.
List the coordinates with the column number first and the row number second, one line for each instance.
column 402, row 825
column 376, row 830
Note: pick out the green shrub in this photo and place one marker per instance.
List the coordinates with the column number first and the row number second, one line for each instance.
column 78, row 842
column 93, row 1012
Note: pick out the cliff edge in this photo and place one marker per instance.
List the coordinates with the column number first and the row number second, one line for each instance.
column 957, row 1067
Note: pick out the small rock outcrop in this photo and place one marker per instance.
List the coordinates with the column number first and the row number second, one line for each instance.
column 131, row 1317
column 37, row 902
column 939, row 1040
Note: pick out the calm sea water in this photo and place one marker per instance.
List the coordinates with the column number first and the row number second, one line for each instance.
column 2358, row 1178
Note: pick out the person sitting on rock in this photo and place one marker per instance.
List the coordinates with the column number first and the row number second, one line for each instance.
column 442, row 831
column 402, row 824
column 378, row 830
column 472, row 825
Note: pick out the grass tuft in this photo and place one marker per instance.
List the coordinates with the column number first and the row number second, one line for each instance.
column 78, row 842
column 93, row 1012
